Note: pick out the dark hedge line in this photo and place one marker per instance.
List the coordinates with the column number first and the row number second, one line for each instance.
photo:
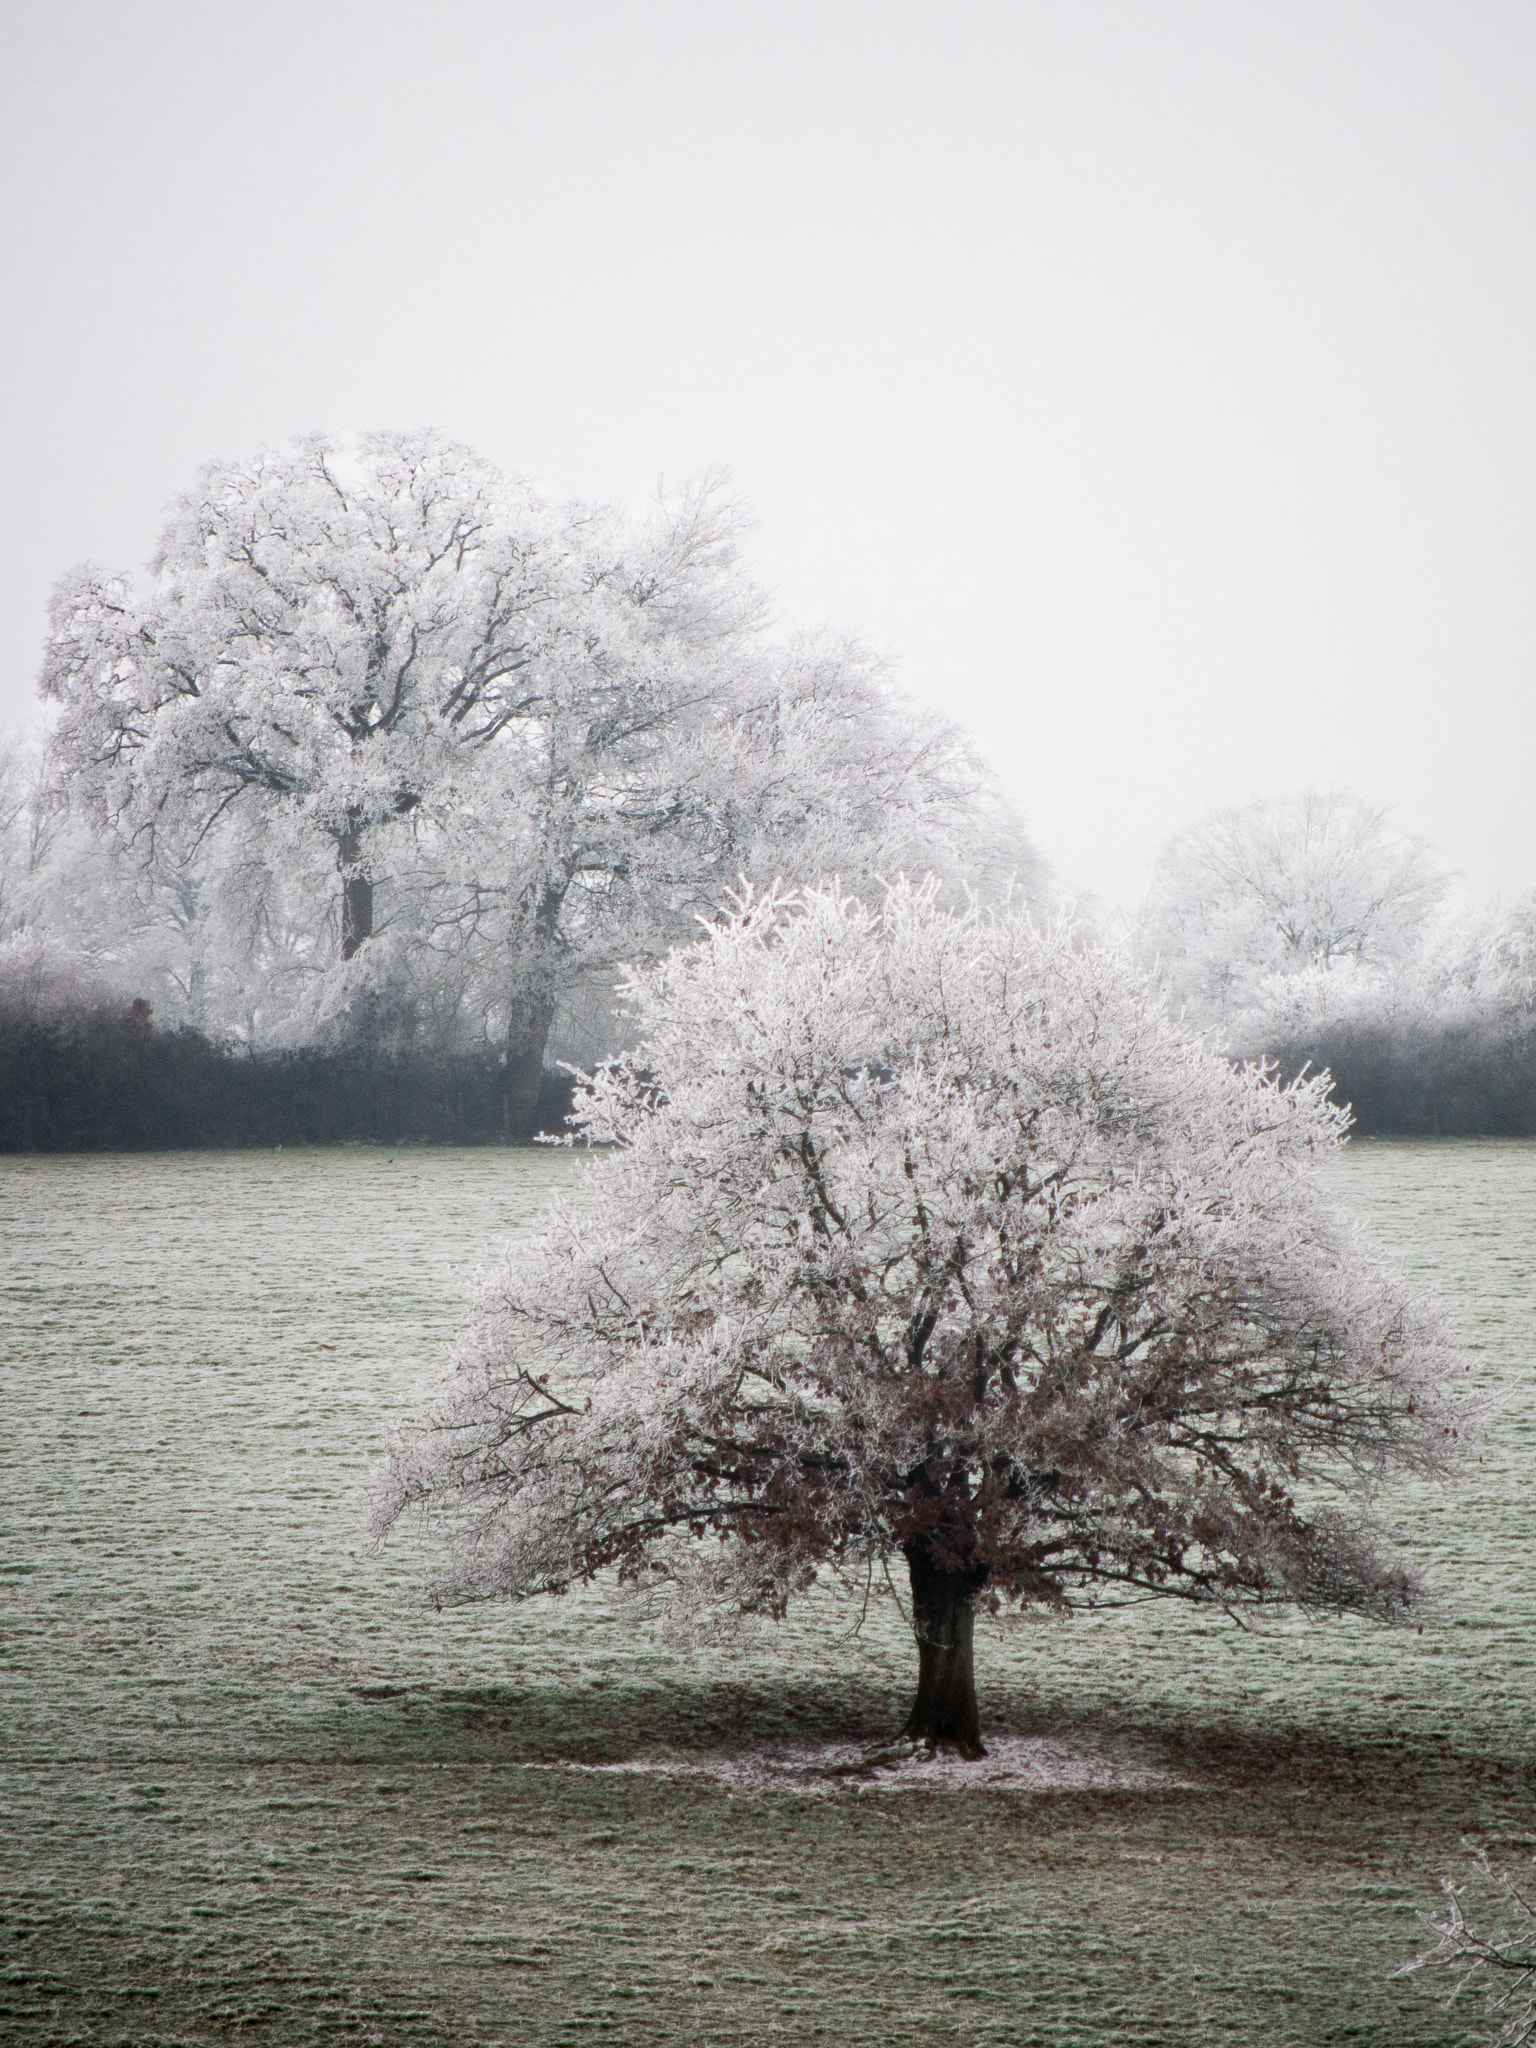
column 106, row 1081
column 1475, row 1079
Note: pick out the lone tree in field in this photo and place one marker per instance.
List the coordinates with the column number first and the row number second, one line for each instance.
column 928, row 1234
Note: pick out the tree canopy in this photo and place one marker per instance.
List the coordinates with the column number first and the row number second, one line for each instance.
column 927, row 1235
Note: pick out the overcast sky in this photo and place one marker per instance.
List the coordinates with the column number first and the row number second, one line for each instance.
column 1155, row 382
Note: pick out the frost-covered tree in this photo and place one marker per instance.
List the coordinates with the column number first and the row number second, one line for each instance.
column 926, row 1236
column 21, row 827
column 1503, row 958
column 1306, row 885
column 352, row 650
column 802, row 761
column 490, row 743
column 160, row 920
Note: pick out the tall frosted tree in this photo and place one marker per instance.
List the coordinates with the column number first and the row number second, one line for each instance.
column 526, row 738
column 925, row 1237
column 370, row 649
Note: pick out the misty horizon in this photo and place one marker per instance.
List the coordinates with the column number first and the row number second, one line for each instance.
column 1149, row 388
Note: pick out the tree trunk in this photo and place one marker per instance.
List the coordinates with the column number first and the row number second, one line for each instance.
column 356, row 914
column 527, row 1035
column 943, row 1622
column 532, row 1009
column 356, row 889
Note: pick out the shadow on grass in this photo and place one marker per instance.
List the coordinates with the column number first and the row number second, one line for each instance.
column 620, row 1723
column 1323, row 1782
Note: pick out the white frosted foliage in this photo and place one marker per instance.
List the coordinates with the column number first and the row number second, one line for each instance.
column 926, row 1231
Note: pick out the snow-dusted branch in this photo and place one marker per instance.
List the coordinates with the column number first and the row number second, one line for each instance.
column 1492, row 1954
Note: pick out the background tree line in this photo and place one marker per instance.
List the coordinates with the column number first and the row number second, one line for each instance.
column 353, row 809
column 385, row 769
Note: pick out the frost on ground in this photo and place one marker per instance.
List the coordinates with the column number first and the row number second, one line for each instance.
column 1013, row 1763
column 252, row 1787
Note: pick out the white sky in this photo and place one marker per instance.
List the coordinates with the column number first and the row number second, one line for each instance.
column 1156, row 381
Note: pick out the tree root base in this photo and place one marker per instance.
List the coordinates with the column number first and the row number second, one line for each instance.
column 967, row 1747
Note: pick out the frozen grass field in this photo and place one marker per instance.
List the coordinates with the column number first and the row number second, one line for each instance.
column 252, row 1789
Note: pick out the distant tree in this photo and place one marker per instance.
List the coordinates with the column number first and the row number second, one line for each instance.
column 17, row 831
column 927, row 1237
column 1504, row 977
column 364, row 648
column 1280, row 888
column 153, row 920
column 803, row 762
column 494, row 741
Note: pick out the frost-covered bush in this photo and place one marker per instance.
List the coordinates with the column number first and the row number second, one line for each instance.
column 927, row 1236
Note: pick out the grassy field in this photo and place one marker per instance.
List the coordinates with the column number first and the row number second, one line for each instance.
column 252, row 1789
